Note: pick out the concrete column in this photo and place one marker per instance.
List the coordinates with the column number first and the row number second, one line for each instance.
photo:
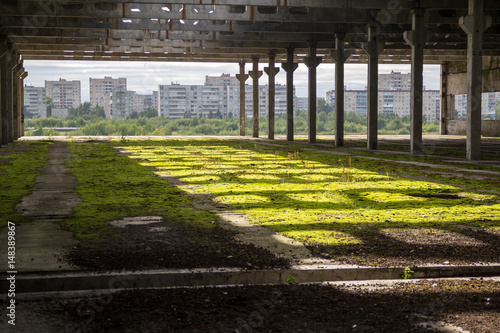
column 416, row 38
column 7, row 110
column 271, row 71
column 474, row 25
column 312, row 61
column 289, row 66
column 339, row 55
column 242, row 77
column 16, row 107
column 21, row 99
column 255, row 74
column 443, row 109
column 372, row 48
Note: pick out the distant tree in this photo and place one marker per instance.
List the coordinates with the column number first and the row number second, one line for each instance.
column 230, row 115
column 218, row 115
column 150, row 113
column 134, row 115
column 86, row 110
column 81, row 110
column 322, row 106
column 98, row 111
column 28, row 115
column 50, row 106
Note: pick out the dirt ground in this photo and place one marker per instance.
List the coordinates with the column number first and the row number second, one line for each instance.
column 416, row 247
column 171, row 245
column 418, row 306
column 422, row 306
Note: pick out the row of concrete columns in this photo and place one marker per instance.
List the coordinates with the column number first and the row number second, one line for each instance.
column 474, row 25
column 12, row 75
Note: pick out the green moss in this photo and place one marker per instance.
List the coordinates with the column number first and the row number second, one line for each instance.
column 317, row 197
column 18, row 171
column 113, row 186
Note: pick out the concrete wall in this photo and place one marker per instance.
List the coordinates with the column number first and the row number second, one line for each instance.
column 489, row 128
column 457, row 77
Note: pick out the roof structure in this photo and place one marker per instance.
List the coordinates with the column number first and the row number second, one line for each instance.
column 461, row 35
column 235, row 30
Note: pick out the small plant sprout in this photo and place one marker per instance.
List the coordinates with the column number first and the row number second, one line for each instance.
column 290, row 279
column 407, row 273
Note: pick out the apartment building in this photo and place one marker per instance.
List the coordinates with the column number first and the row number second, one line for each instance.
column 64, row 94
column 123, row 102
column 184, row 101
column 101, row 88
column 394, row 96
column 488, row 105
column 100, row 91
column 35, row 101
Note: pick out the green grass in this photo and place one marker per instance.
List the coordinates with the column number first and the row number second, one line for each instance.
column 316, row 197
column 113, row 186
column 18, row 170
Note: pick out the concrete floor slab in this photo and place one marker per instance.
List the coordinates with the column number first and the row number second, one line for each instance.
column 41, row 244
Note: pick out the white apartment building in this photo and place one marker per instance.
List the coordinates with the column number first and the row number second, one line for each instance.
column 390, row 101
column 100, row 88
column 100, row 91
column 279, row 100
column 151, row 101
column 218, row 94
column 488, row 105
column 35, row 101
column 123, row 102
column 183, row 101
column 64, row 94
column 394, row 96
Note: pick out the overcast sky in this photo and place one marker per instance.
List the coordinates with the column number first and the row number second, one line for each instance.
column 144, row 77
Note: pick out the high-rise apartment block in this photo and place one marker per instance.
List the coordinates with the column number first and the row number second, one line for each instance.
column 100, row 89
column 394, row 96
column 64, row 94
column 489, row 103
column 184, row 101
column 219, row 95
column 122, row 103
column 35, row 101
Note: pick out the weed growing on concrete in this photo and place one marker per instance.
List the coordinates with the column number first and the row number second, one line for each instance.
column 18, row 170
column 113, row 186
column 315, row 197
column 407, row 273
column 290, row 279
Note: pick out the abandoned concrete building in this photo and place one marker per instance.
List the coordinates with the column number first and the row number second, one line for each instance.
column 463, row 36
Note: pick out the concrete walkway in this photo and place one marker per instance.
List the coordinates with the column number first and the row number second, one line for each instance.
column 40, row 244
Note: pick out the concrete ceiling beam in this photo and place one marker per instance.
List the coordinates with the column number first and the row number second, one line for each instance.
column 361, row 4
